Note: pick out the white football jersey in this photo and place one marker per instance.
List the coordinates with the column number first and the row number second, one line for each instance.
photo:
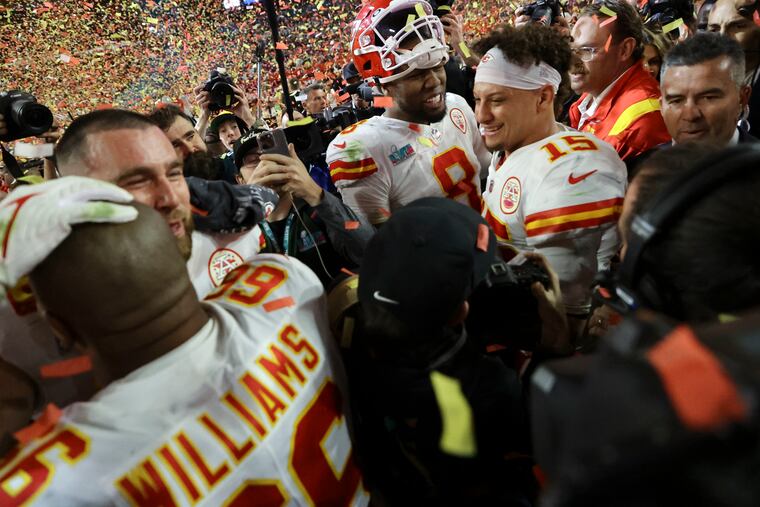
column 27, row 341
column 249, row 411
column 215, row 255
column 381, row 164
column 562, row 197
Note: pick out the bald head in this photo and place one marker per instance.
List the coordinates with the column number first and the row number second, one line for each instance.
column 122, row 289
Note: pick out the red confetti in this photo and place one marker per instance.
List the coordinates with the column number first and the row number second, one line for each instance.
column 278, row 304
column 384, row 102
column 351, row 225
column 66, row 368
column 44, row 423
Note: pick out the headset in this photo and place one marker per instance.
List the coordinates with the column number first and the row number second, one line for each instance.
column 632, row 286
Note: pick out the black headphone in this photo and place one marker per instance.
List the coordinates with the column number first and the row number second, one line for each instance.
column 632, row 286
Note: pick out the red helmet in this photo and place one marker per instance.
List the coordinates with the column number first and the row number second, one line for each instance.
column 390, row 34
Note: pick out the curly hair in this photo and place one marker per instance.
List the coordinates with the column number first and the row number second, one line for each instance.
column 531, row 44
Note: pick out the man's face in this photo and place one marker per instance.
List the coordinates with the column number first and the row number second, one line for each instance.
column 229, row 132
column 603, row 67
column 506, row 115
column 144, row 163
column 726, row 19
column 652, row 61
column 420, row 97
column 316, row 101
column 701, row 102
column 184, row 138
column 250, row 162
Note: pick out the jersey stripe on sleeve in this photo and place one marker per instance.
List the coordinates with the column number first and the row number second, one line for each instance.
column 580, row 216
column 342, row 170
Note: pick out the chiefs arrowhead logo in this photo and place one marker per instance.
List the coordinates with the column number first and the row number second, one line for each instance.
column 458, row 119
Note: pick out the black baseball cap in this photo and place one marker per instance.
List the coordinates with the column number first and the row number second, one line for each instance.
column 426, row 260
column 243, row 145
column 225, row 116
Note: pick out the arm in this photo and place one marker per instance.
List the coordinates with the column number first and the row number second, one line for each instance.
column 348, row 239
column 452, row 25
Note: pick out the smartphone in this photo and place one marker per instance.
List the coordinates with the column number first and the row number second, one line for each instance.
column 273, row 141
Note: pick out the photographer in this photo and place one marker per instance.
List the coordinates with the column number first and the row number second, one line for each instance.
column 308, row 223
column 415, row 371
column 210, row 96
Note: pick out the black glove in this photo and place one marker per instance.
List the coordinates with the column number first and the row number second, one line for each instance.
column 221, row 207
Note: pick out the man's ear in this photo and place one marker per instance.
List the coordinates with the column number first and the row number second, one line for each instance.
column 745, row 92
column 546, row 98
column 627, row 47
column 459, row 314
column 64, row 335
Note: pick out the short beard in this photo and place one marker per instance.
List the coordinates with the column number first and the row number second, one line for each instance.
column 435, row 118
column 185, row 243
column 202, row 165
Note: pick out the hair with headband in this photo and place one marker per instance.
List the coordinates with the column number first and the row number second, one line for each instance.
column 525, row 58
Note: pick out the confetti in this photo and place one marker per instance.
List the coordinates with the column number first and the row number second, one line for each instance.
column 66, row 368
column 465, row 50
column 607, row 11
column 608, row 43
column 420, row 10
column 384, row 102
column 351, row 225
column 608, row 21
column 672, row 25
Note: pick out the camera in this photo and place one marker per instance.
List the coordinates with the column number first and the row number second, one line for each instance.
column 24, row 116
column 658, row 13
column 311, row 140
column 503, row 310
column 543, row 11
column 219, row 87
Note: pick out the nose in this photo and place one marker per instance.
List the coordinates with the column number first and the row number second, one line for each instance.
column 165, row 199
column 691, row 111
column 482, row 112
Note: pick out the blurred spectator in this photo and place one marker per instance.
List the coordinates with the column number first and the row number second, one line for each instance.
column 419, row 371
column 655, row 47
column 308, row 223
column 228, row 127
column 316, row 99
column 735, row 18
column 703, row 91
column 620, row 99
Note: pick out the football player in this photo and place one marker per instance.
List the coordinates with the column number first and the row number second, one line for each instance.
column 558, row 192
column 427, row 142
column 124, row 148
column 236, row 400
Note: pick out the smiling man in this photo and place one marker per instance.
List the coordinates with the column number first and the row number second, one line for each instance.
column 619, row 102
column 559, row 192
column 703, row 91
column 427, row 143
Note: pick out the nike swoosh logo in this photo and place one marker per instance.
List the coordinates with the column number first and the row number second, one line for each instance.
column 573, row 180
column 382, row 299
column 340, row 146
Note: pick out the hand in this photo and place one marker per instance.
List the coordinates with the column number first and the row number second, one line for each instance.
column 520, row 18
column 452, row 25
column 242, row 109
column 3, row 128
column 555, row 332
column 53, row 135
column 602, row 320
column 561, row 26
column 35, row 219
column 296, row 179
column 203, row 99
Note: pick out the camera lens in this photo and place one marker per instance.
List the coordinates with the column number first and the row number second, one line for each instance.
column 32, row 117
column 266, row 141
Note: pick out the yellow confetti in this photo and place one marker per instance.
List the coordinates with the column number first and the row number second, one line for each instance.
column 424, row 141
column 420, row 11
column 458, row 432
column 153, row 21
column 672, row 25
column 465, row 50
column 607, row 11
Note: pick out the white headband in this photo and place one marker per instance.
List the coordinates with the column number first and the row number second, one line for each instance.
column 495, row 68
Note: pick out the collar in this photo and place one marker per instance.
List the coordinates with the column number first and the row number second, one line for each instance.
column 589, row 106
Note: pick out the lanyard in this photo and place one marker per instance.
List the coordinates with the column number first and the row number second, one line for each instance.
column 286, row 240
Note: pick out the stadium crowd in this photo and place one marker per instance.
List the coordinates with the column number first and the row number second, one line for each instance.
column 485, row 253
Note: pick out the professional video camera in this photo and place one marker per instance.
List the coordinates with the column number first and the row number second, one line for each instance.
column 311, row 140
column 24, row 116
column 658, row 13
column 543, row 11
column 219, row 86
column 503, row 310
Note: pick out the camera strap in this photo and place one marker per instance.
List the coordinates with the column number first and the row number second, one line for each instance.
column 11, row 163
